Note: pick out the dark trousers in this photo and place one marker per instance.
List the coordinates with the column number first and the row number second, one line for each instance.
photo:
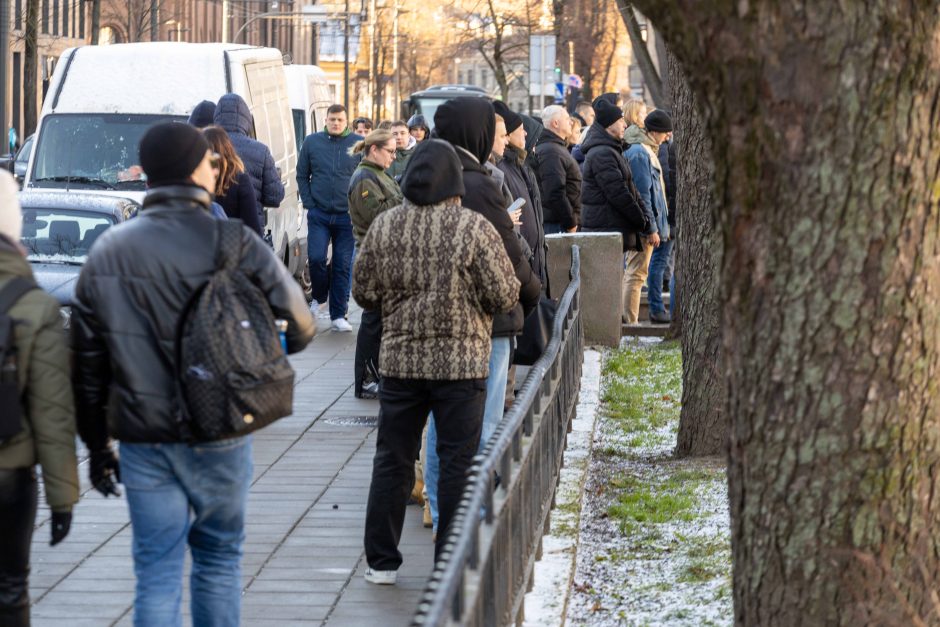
column 405, row 404
column 368, row 342
column 330, row 283
column 18, row 499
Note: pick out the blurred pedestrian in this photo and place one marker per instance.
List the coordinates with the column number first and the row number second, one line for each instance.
column 37, row 419
column 634, row 112
column 557, row 172
column 418, row 127
column 202, row 114
column 362, row 126
column 324, row 168
column 232, row 114
column 134, row 286
column 233, row 190
column 404, row 146
column 436, row 343
column 648, row 178
column 371, row 191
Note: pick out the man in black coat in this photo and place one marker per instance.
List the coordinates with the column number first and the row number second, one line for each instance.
column 558, row 174
column 469, row 124
column 610, row 199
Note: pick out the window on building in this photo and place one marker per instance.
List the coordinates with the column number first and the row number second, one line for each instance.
column 17, row 89
column 81, row 20
column 18, row 15
column 65, row 19
column 55, row 17
column 45, row 16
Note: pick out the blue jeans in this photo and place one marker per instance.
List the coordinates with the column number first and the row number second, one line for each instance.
column 322, row 228
column 552, row 227
column 654, row 283
column 492, row 415
column 179, row 494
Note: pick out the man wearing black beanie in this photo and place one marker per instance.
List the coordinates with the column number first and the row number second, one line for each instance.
column 435, row 346
column 133, row 289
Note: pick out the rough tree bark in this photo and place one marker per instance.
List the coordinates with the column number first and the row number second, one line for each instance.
column 703, row 428
column 825, row 126
column 31, row 68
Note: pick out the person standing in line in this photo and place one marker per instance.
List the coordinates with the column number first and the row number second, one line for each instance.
column 557, row 172
column 634, row 112
column 667, row 158
column 232, row 114
column 324, row 168
column 133, row 288
column 362, row 126
column 647, row 175
column 405, row 145
column 371, row 191
column 37, row 417
column 418, row 127
column 202, row 114
column 437, row 311
column 611, row 201
column 233, row 190
column 469, row 125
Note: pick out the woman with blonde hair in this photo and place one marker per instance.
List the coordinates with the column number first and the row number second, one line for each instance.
column 233, row 188
column 634, row 112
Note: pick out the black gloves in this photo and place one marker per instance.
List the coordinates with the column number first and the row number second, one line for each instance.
column 105, row 472
column 61, row 523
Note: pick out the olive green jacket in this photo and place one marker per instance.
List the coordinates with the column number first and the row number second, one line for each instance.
column 402, row 156
column 371, row 191
column 48, row 435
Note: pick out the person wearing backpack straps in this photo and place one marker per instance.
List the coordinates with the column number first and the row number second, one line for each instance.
column 134, row 289
column 37, row 415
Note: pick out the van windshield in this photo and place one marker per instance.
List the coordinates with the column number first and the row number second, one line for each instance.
column 92, row 150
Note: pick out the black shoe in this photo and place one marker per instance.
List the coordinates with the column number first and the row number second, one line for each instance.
column 660, row 317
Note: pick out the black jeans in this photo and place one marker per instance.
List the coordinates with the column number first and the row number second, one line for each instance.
column 405, row 404
column 368, row 342
column 18, row 500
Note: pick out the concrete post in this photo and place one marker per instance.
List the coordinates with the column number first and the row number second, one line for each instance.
column 601, row 281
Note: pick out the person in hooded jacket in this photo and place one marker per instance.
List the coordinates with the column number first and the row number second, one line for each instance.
column 232, row 114
column 610, row 201
column 418, row 127
column 45, row 425
column 520, row 180
column 647, row 175
column 202, row 115
column 469, row 125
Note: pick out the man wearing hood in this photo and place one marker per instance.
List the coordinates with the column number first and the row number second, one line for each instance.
column 610, row 201
column 232, row 114
column 648, row 177
column 404, row 146
column 435, row 344
column 558, row 173
column 202, row 115
column 469, row 124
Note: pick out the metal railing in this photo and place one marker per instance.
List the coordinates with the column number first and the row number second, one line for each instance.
column 496, row 536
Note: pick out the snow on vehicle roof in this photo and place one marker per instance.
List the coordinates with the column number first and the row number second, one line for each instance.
column 71, row 200
column 147, row 78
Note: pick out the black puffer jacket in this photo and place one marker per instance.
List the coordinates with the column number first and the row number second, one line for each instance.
column 559, row 180
column 521, row 183
column 610, row 200
column 129, row 297
column 469, row 124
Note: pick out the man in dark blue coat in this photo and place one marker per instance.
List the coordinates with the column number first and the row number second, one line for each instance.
column 232, row 114
column 323, row 171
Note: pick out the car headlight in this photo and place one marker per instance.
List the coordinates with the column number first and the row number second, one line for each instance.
column 66, row 314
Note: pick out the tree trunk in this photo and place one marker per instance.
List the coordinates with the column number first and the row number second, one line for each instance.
column 31, row 68
column 703, row 428
column 95, row 21
column 825, row 130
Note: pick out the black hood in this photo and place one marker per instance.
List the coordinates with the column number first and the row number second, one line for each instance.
column 533, row 130
column 597, row 135
column 469, row 123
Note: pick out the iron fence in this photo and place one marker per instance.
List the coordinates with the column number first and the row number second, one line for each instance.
column 496, row 535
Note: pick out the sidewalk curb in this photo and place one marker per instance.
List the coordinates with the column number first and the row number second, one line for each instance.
column 546, row 604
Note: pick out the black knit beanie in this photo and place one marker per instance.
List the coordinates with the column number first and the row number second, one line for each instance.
column 609, row 97
column 170, row 152
column 513, row 120
column 606, row 113
column 658, row 121
column 434, row 173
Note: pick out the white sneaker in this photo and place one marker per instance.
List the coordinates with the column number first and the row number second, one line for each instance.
column 341, row 325
column 381, row 577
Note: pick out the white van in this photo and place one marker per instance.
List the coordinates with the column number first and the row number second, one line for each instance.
column 102, row 99
column 309, row 95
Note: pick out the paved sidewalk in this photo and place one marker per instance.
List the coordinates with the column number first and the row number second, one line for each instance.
column 303, row 562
